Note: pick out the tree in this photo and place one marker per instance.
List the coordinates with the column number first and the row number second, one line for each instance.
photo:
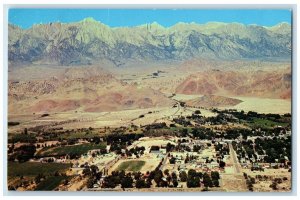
column 38, row 178
column 163, row 184
column 169, row 147
column 169, row 178
column 197, row 181
column 127, row 182
column 197, row 148
column 96, row 140
column 249, row 185
column 197, row 112
column 11, row 188
column 215, row 175
column 166, row 172
column 94, row 169
column 175, row 183
column 222, row 164
column 66, row 182
column 189, row 183
column 137, row 175
column 86, row 171
column 98, row 175
column 172, row 160
column 193, row 181
column 207, row 180
column 174, row 176
column 90, row 182
column 140, row 183
column 111, row 181
column 216, row 182
column 25, row 152
column 192, row 173
column 157, row 178
column 148, row 183
column 183, row 176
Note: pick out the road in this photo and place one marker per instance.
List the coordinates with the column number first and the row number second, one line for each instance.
column 234, row 158
column 164, row 162
column 166, row 117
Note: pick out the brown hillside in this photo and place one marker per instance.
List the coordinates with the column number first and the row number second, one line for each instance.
column 271, row 84
column 212, row 101
column 82, row 88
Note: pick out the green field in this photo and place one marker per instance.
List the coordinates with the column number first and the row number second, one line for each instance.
column 70, row 150
column 133, row 165
column 50, row 183
column 265, row 123
column 79, row 135
column 31, row 138
column 34, row 168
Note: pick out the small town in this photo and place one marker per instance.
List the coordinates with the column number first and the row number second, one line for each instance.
column 232, row 151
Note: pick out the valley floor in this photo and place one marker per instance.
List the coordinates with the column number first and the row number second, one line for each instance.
column 73, row 120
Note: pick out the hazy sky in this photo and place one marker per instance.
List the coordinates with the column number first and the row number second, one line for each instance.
column 129, row 17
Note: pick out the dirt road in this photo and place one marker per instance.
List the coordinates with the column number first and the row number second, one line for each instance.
column 236, row 164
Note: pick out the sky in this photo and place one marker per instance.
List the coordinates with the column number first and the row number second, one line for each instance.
column 25, row 17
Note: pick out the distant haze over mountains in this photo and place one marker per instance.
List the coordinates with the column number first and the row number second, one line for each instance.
column 90, row 41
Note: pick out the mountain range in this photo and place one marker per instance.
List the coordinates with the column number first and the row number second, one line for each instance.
column 89, row 41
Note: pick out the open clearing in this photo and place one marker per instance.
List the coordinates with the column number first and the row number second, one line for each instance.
column 133, row 165
column 50, row 183
column 70, row 120
column 185, row 97
column 265, row 123
column 263, row 105
column 148, row 142
column 264, row 185
column 147, row 163
column 34, row 168
column 260, row 105
column 70, row 150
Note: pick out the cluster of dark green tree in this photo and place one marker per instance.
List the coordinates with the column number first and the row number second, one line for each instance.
column 182, row 121
column 249, row 181
column 137, row 151
column 22, row 153
column 196, row 179
column 118, row 141
column 274, row 148
column 139, row 180
column 222, row 149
